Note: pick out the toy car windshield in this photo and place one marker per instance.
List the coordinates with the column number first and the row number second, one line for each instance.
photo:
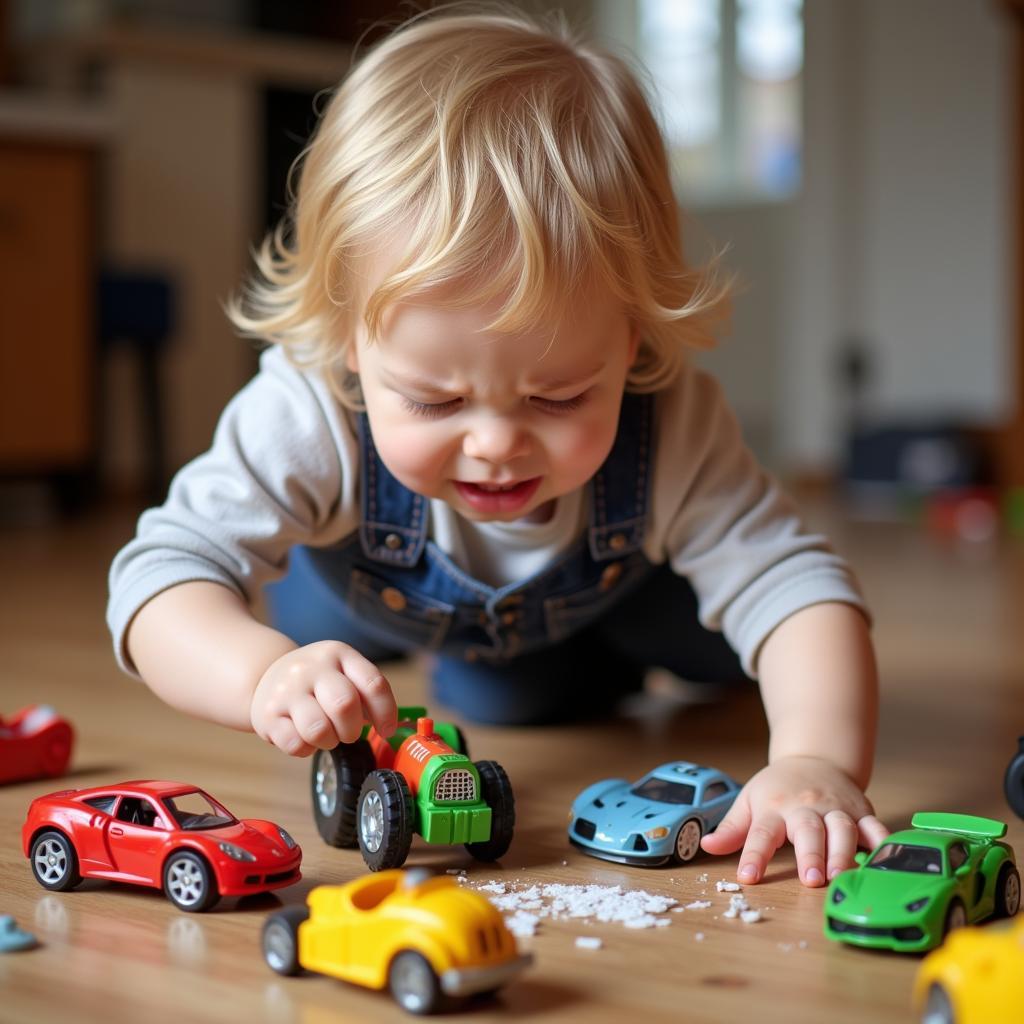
column 665, row 792
column 905, row 857
column 195, row 811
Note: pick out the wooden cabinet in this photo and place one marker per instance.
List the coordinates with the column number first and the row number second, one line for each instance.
column 47, row 290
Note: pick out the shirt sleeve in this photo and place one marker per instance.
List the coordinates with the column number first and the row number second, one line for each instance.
column 281, row 471
column 726, row 525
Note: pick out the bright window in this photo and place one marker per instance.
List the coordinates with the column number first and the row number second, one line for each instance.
column 727, row 76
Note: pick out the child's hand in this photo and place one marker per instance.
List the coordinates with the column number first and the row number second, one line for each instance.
column 807, row 800
column 319, row 695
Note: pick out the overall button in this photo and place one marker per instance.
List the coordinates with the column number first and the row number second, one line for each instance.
column 610, row 575
column 393, row 598
column 617, row 541
column 392, row 541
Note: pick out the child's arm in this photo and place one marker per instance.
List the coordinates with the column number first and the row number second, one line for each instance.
column 199, row 649
column 820, row 688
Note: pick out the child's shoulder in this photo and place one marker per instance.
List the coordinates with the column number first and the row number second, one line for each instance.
column 285, row 403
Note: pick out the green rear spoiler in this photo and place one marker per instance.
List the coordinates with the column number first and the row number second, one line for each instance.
column 965, row 824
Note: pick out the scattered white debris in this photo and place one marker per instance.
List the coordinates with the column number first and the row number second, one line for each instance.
column 724, row 886
column 588, row 942
column 702, row 877
column 739, row 907
column 802, row 943
column 699, row 936
column 456, row 871
column 564, row 863
column 634, row 908
column 523, row 925
column 698, row 905
column 786, row 947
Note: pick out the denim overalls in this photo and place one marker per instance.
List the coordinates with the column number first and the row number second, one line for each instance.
column 539, row 649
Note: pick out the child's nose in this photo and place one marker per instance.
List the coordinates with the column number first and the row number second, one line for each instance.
column 496, row 440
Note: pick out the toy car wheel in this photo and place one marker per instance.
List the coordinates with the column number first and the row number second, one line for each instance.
column 385, row 820
column 956, row 917
column 1013, row 783
column 54, row 862
column 1007, row 891
column 189, row 882
column 280, row 939
column 496, row 792
column 414, row 983
column 336, row 778
column 937, row 1007
column 687, row 841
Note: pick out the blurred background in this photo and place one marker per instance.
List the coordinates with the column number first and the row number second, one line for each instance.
column 857, row 160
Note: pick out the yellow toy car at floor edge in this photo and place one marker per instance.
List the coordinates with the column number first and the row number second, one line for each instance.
column 975, row 977
column 421, row 935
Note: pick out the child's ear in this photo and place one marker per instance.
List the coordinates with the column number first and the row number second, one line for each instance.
column 352, row 357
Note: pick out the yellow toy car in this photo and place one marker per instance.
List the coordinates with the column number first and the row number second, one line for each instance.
column 421, row 935
column 975, row 977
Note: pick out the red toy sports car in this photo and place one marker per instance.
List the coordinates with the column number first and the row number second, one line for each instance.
column 35, row 743
column 167, row 835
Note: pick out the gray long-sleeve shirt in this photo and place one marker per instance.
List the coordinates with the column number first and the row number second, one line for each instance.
column 284, row 470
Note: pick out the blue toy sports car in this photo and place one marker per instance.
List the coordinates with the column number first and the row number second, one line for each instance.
column 658, row 820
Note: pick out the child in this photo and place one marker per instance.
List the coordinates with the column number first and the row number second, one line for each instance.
column 475, row 433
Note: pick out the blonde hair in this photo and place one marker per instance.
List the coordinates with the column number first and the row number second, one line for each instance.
column 511, row 158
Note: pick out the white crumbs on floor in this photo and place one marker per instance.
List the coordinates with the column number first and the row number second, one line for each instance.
column 632, row 908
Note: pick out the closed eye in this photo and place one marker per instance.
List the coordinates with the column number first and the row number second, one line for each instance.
column 430, row 410
column 562, row 405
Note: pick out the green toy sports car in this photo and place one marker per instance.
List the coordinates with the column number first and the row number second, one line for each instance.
column 947, row 871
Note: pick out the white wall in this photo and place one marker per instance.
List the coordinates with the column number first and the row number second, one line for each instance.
column 900, row 237
column 903, row 230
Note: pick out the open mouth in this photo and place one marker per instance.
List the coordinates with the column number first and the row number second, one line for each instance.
column 498, row 497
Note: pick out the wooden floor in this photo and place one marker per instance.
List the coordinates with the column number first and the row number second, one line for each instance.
column 952, row 649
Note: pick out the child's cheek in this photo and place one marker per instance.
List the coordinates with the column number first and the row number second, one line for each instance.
column 580, row 451
column 413, row 456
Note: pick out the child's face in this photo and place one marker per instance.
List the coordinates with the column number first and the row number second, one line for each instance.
column 495, row 424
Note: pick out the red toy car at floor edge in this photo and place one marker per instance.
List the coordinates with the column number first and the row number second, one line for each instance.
column 35, row 743
column 164, row 835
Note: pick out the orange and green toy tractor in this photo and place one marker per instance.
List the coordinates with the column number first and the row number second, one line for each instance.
column 376, row 792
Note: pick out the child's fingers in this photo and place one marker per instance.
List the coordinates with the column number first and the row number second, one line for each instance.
column 283, row 734
column 731, row 832
column 342, row 704
column 313, row 723
column 872, row 831
column 374, row 690
column 767, row 833
column 842, row 841
column 806, row 832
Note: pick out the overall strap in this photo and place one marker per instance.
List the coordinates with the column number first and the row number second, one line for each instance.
column 394, row 520
column 619, row 496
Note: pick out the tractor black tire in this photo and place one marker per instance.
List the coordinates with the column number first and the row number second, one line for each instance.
column 386, row 817
column 336, row 779
column 496, row 792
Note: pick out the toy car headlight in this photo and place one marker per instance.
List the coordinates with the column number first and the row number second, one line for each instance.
column 656, row 833
column 918, row 904
column 235, row 852
column 285, row 838
column 838, row 895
